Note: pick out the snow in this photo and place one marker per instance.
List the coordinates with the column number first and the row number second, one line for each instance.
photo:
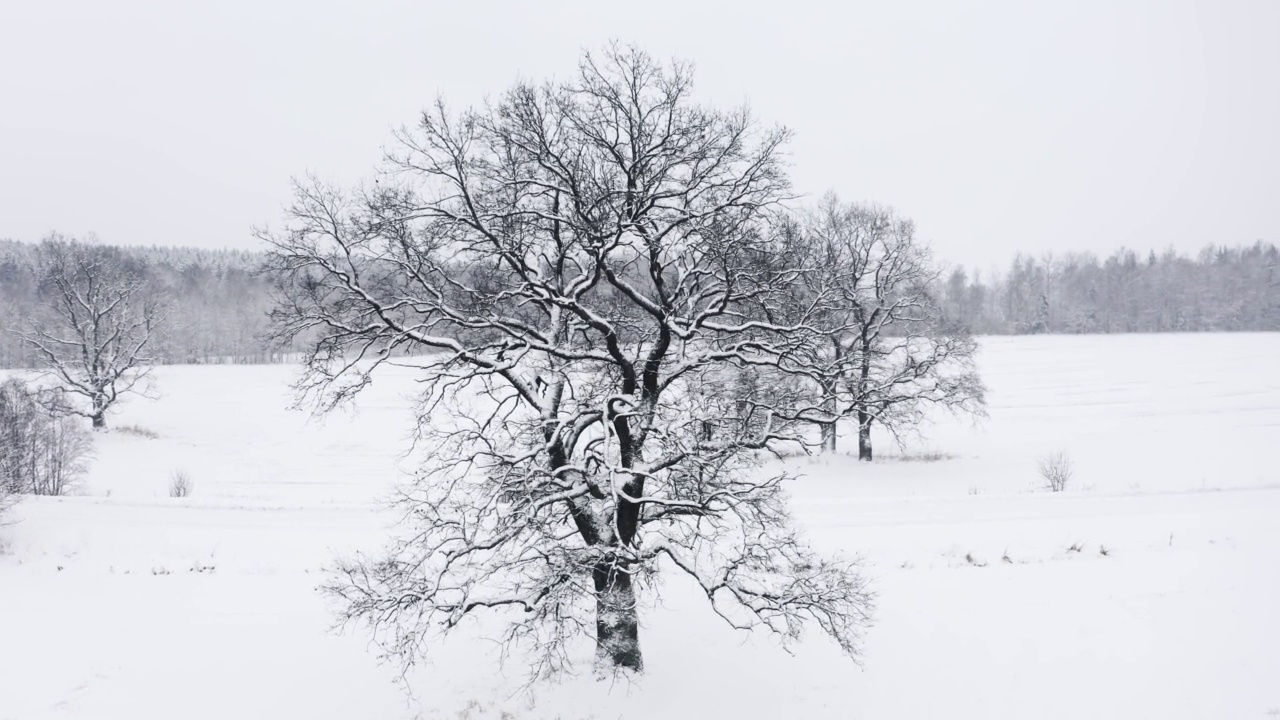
column 122, row 602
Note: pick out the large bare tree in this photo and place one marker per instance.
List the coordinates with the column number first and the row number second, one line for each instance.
column 579, row 266
column 96, row 321
column 885, row 351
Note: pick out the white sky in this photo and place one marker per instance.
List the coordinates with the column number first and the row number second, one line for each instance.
column 999, row 126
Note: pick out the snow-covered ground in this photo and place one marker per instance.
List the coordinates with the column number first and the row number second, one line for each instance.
column 1150, row 589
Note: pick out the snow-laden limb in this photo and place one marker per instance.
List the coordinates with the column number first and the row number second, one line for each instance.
column 590, row 272
column 778, row 583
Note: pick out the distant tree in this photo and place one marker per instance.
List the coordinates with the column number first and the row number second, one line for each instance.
column 97, row 320
column 889, row 352
column 959, row 300
column 583, row 263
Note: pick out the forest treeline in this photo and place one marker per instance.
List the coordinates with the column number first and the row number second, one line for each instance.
column 217, row 300
column 215, row 303
column 1219, row 289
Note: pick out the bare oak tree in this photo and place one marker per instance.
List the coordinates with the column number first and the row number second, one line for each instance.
column 579, row 267
column 93, row 334
column 885, row 351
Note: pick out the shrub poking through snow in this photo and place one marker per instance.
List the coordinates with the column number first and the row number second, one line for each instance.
column 138, row 431
column 924, row 456
column 180, row 484
column 1056, row 469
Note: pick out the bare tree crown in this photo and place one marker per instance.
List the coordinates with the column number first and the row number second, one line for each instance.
column 589, row 265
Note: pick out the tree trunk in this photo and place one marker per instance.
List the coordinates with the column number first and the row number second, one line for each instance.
column 617, row 624
column 99, row 416
column 830, row 407
column 864, row 434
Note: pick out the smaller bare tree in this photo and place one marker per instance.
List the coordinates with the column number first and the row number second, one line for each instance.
column 882, row 351
column 97, row 322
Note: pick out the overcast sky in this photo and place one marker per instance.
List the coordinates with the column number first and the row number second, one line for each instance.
column 1000, row 126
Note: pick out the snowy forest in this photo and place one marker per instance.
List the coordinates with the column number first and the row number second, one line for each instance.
column 216, row 301
column 1220, row 289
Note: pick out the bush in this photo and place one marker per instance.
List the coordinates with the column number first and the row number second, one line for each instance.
column 180, row 484
column 924, row 456
column 40, row 453
column 1056, row 469
column 137, row 431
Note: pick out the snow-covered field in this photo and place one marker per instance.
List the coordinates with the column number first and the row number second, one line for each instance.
column 1150, row 589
